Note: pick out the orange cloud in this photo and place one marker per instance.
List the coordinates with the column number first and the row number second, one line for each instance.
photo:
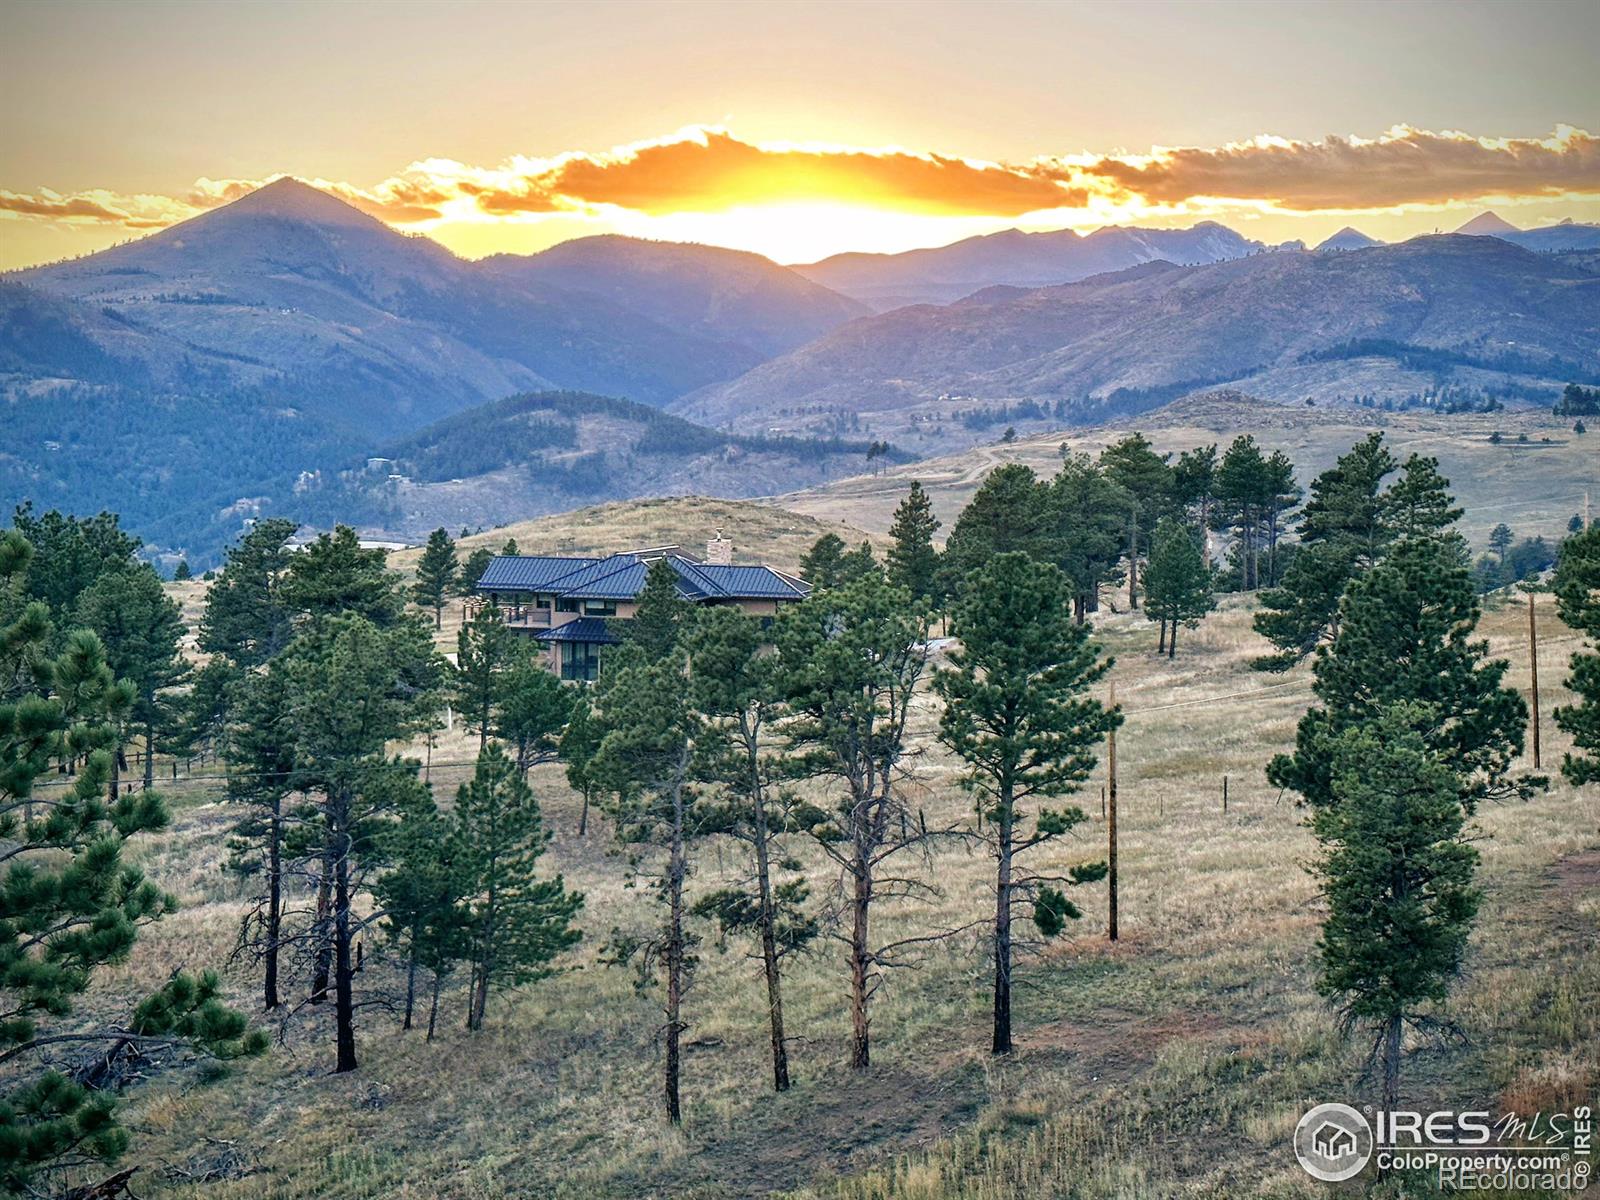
column 710, row 171
column 1404, row 166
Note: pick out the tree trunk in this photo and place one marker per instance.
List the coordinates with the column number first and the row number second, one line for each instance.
column 324, row 962
column 433, row 1006
column 479, row 1003
column 769, row 943
column 860, row 960
column 411, row 982
column 677, row 868
column 583, row 814
column 1391, row 1064
column 1133, row 559
column 149, row 754
column 274, row 901
column 1161, row 643
column 1172, row 641
column 344, row 1003
column 1002, row 925
column 116, row 776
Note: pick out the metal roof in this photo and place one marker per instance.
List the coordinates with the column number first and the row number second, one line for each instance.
column 584, row 629
column 622, row 577
column 526, row 573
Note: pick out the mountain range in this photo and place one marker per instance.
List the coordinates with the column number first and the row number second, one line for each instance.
column 1474, row 312
column 246, row 360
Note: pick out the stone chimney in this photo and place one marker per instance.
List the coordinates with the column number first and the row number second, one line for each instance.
column 719, row 551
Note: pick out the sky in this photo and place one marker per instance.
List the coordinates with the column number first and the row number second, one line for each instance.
column 797, row 130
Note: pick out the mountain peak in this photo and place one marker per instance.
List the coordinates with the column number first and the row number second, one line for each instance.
column 1488, row 224
column 294, row 200
column 1348, row 238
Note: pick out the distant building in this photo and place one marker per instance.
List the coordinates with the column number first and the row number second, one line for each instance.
column 574, row 606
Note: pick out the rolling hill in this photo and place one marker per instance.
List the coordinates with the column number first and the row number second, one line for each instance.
column 1473, row 313
column 548, row 452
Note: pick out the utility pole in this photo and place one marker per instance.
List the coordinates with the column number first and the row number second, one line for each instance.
column 1111, row 822
column 1533, row 666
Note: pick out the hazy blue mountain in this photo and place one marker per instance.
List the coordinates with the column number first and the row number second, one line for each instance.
column 1347, row 238
column 1385, row 321
column 702, row 292
column 1017, row 259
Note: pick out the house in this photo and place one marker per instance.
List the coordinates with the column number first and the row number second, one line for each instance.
column 573, row 605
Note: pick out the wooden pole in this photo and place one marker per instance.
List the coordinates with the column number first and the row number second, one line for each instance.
column 1224, row 793
column 1111, row 823
column 1533, row 666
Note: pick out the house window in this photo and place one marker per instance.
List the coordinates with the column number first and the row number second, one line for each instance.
column 565, row 604
column 580, row 660
column 600, row 608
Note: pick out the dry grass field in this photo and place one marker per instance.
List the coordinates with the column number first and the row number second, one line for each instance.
column 1533, row 486
column 1172, row 1064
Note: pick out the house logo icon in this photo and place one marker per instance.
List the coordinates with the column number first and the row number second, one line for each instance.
column 1333, row 1142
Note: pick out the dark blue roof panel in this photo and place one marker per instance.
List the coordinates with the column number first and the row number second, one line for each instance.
column 622, row 577
column 585, row 629
column 524, row 573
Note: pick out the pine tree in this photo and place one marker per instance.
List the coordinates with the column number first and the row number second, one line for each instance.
column 1010, row 511
column 519, row 923
column 1015, row 710
column 333, row 576
column 645, row 765
column 261, row 780
column 1177, row 582
column 1419, row 504
column 821, row 566
column 1194, row 485
column 1145, row 481
column 1245, row 493
column 851, row 659
column 1087, row 535
column 1282, row 495
column 72, row 904
column 353, row 687
column 1577, row 588
column 736, row 686
column 577, row 747
column 181, row 572
column 1397, row 873
column 424, row 893
column 484, row 652
column 913, row 563
column 1344, row 528
column 142, row 631
column 532, row 707
column 436, row 574
column 1405, row 635
column 1500, row 539
column 246, row 618
column 661, row 614
column 472, row 570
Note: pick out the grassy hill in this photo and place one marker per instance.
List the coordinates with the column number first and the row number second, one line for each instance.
column 1533, row 486
column 548, row 452
column 1172, row 1065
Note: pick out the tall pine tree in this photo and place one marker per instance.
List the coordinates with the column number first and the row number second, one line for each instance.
column 1016, row 711
column 913, row 563
column 436, row 574
column 1577, row 588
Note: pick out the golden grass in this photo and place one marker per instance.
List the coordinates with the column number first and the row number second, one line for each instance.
column 1173, row 1064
